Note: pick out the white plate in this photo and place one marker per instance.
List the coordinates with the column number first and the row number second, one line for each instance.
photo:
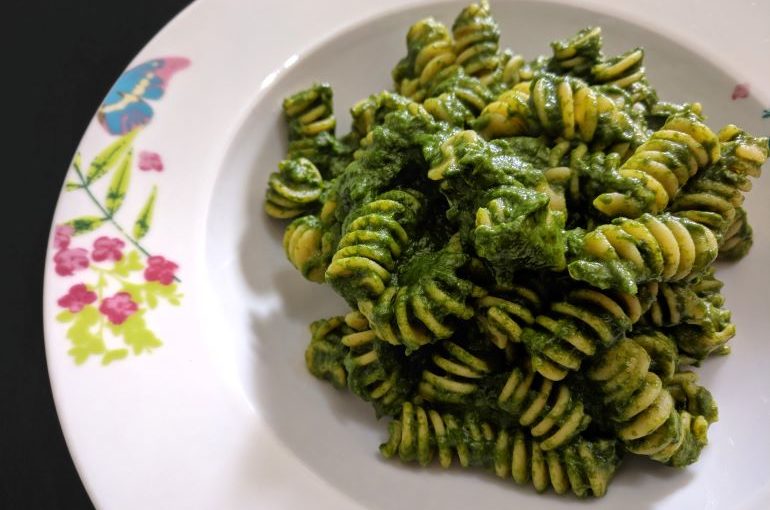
column 223, row 413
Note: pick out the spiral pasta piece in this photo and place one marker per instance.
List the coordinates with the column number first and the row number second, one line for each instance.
column 553, row 414
column 453, row 374
column 699, row 341
column 309, row 246
column 738, row 238
column 330, row 155
column 511, row 70
column 476, row 38
column 675, row 304
column 430, row 54
column 508, row 115
column 714, row 196
column 428, row 301
column 559, row 180
column 371, row 111
column 419, row 434
column 662, row 165
column 578, row 326
column 375, row 369
column 647, row 420
column 568, row 108
column 709, row 287
column 503, row 316
column 451, row 151
column 456, row 98
column 626, row 72
column 692, row 314
column 691, row 396
column 662, row 350
column 626, row 252
column 621, row 71
column 325, row 355
column 578, row 54
column 591, row 172
column 448, row 107
column 583, row 467
column 371, row 243
column 294, row 189
column 310, row 112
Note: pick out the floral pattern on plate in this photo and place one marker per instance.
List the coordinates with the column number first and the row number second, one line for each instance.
column 118, row 281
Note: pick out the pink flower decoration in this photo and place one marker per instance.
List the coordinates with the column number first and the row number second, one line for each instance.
column 107, row 248
column 77, row 297
column 70, row 260
column 150, row 161
column 118, row 307
column 741, row 91
column 160, row 270
column 61, row 236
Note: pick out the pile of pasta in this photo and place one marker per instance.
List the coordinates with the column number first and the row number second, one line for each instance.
column 527, row 249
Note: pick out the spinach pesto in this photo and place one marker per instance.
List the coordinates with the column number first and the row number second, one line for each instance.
column 527, row 249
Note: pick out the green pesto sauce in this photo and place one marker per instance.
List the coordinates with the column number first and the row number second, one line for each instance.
column 412, row 178
column 395, row 148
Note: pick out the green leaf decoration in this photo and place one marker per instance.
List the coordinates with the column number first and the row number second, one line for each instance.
column 142, row 224
column 150, row 293
column 72, row 185
column 136, row 291
column 130, row 263
column 137, row 336
column 85, row 341
column 65, row 316
column 158, row 290
column 85, row 224
column 109, row 157
column 77, row 162
column 119, row 184
column 114, row 355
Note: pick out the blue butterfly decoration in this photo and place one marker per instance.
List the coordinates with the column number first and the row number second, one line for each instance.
column 125, row 106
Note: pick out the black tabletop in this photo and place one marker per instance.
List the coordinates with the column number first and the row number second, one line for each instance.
column 59, row 60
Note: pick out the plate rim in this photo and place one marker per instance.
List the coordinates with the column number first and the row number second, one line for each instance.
column 53, row 348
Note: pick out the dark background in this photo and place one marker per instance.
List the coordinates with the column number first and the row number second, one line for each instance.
column 59, row 58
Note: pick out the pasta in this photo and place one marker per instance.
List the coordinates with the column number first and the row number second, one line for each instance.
column 738, row 237
column 309, row 246
column 627, row 252
column 374, row 369
column 309, row 112
column 553, row 414
column 645, row 414
column 662, row 165
column 457, row 99
column 576, row 327
column 325, row 356
column 714, row 197
column 429, row 52
column 372, row 242
column 476, row 39
column 527, row 250
column 294, row 189
column 502, row 316
column 585, row 467
column 578, row 54
column 425, row 304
